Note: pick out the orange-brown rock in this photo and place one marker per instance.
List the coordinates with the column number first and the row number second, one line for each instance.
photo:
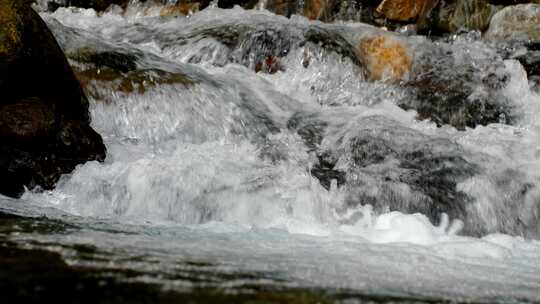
column 180, row 9
column 406, row 10
column 384, row 58
column 317, row 9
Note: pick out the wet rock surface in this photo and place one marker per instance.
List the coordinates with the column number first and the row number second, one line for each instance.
column 462, row 94
column 44, row 121
column 394, row 168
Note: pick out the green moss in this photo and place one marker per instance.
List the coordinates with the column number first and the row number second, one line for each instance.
column 10, row 36
column 472, row 15
column 138, row 81
column 16, row 224
column 119, row 71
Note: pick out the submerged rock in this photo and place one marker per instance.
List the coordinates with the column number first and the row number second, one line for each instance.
column 394, row 168
column 44, row 120
column 119, row 71
column 461, row 93
column 378, row 161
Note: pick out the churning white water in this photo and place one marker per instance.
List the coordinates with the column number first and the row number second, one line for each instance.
column 215, row 165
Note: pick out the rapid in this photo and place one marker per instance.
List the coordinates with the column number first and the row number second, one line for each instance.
column 249, row 150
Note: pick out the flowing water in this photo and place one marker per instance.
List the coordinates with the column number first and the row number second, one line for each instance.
column 247, row 150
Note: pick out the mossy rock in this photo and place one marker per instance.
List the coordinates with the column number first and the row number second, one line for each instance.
column 120, row 72
column 517, row 23
column 455, row 15
column 134, row 82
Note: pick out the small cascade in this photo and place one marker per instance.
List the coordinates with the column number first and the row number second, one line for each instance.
column 261, row 143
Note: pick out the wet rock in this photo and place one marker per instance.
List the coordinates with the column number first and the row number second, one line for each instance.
column 378, row 161
column 514, row 200
column 459, row 93
column 512, row 2
column 332, row 42
column 183, row 8
column 326, row 10
column 44, row 121
column 519, row 22
column 118, row 70
column 121, row 62
column 406, row 10
column 261, row 50
column 384, row 58
column 395, row 168
column 312, row 130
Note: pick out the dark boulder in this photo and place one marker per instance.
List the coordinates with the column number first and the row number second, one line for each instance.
column 98, row 5
column 44, row 120
column 247, row 4
column 531, row 59
column 283, row 7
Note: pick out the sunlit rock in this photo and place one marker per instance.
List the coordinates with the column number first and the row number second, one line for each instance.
column 44, row 119
column 405, row 10
column 384, row 58
column 183, row 8
column 519, row 22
